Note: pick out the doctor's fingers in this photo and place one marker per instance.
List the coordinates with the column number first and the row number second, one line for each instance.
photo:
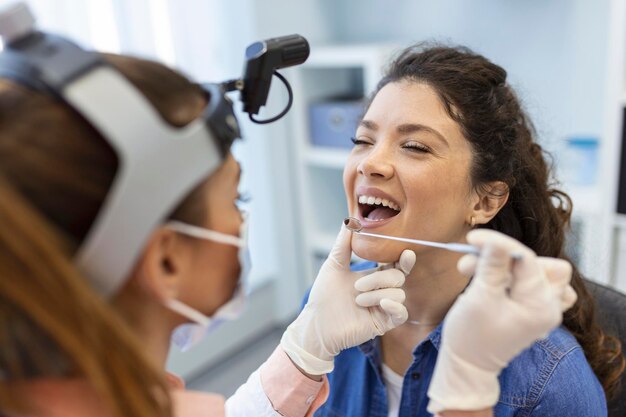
column 405, row 263
column 495, row 263
column 373, row 298
column 395, row 310
column 467, row 264
column 496, row 252
column 558, row 271
column 529, row 277
column 388, row 278
column 568, row 298
column 559, row 275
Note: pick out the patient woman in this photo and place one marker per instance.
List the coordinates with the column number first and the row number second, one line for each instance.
column 445, row 147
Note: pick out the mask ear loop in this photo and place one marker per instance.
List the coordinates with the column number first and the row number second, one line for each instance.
column 186, row 311
column 202, row 233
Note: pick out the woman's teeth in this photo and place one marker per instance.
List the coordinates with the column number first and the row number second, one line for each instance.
column 364, row 199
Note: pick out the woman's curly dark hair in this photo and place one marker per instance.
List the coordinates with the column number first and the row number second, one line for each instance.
column 477, row 96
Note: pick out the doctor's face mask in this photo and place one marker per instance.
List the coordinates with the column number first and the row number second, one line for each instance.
column 189, row 334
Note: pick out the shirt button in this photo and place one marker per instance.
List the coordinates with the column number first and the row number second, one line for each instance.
column 310, row 400
column 415, row 376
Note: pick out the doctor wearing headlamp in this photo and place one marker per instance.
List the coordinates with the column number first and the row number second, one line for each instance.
column 119, row 232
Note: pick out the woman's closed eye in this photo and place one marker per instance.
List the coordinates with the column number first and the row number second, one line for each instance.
column 416, row 147
column 360, row 141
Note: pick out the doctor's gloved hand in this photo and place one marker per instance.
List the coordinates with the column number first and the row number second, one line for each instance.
column 508, row 305
column 346, row 308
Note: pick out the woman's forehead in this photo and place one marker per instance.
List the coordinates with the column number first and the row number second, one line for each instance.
column 409, row 99
column 412, row 102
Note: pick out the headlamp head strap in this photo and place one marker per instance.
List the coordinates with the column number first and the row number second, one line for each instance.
column 158, row 164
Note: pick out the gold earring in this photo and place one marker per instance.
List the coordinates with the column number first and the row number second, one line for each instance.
column 472, row 221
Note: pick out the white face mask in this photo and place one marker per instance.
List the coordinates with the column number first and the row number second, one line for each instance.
column 189, row 334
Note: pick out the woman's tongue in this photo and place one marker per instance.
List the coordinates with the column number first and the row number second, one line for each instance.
column 381, row 213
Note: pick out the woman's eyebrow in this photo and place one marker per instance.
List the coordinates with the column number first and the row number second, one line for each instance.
column 368, row 124
column 416, row 127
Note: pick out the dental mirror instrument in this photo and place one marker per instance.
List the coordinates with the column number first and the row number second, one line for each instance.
column 354, row 225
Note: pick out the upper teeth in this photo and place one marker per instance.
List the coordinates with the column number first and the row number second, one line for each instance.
column 365, row 199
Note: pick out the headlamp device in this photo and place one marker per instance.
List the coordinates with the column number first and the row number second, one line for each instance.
column 158, row 164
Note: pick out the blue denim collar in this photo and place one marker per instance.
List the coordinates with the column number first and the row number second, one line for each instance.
column 435, row 336
column 371, row 348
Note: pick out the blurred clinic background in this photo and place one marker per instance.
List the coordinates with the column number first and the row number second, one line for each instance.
column 564, row 57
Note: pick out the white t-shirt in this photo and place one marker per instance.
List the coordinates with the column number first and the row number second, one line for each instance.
column 393, row 385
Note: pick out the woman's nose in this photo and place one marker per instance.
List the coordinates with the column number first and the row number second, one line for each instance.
column 377, row 163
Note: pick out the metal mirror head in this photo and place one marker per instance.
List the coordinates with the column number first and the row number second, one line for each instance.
column 353, row 224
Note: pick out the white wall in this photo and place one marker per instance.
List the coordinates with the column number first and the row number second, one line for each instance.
column 554, row 50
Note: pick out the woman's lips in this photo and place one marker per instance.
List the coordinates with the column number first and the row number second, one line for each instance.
column 377, row 193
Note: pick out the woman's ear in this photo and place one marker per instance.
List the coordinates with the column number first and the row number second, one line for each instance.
column 163, row 264
column 491, row 197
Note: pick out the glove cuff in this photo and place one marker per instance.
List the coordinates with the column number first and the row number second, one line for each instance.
column 292, row 343
column 459, row 385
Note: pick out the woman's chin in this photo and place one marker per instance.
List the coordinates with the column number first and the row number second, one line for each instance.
column 375, row 250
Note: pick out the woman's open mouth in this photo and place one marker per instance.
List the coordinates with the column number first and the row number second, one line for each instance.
column 377, row 209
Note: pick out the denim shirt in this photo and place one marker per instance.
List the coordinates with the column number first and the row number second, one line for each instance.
column 550, row 379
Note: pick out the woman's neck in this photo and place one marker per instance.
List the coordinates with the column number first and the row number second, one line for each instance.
column 431, row 289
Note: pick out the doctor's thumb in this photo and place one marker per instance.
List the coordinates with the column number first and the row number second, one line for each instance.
column 341, row 252
column 406, row 261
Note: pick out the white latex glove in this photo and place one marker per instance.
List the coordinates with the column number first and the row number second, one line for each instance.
column 508, row 305
column 346, row 308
